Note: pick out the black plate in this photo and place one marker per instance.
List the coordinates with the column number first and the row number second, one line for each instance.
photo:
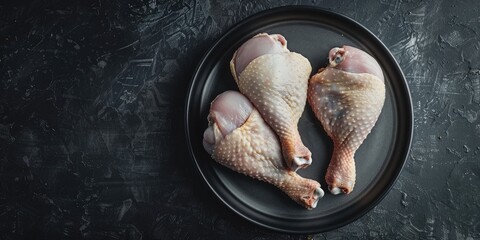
column 311, row 32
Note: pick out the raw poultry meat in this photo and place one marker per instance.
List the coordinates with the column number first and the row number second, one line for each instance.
column 347, row 97
column 238, row 138
column 276, row 81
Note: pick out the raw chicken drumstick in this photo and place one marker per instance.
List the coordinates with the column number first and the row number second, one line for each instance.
column 238, row 138
column 275, row 80
column 347, row 97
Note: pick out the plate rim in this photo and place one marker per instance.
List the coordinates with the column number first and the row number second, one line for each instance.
column 288, row 10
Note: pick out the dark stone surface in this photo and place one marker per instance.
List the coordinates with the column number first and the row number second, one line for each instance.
column 91, row 109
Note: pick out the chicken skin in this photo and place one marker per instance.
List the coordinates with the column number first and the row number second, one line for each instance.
column 239, row 138
column 347, row 97
column 275, row 80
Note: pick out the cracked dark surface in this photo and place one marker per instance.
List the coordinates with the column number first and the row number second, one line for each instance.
column 91, row 108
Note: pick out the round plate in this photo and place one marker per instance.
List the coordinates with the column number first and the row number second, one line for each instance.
column 311, row 32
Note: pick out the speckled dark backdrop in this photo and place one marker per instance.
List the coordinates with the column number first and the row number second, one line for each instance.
column 91, row 111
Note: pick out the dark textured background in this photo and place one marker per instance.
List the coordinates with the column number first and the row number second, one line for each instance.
column 91, row 111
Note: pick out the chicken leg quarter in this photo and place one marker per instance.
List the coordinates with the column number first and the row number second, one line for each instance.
column 275, row 80
column 239, row 139
column 347, row 97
